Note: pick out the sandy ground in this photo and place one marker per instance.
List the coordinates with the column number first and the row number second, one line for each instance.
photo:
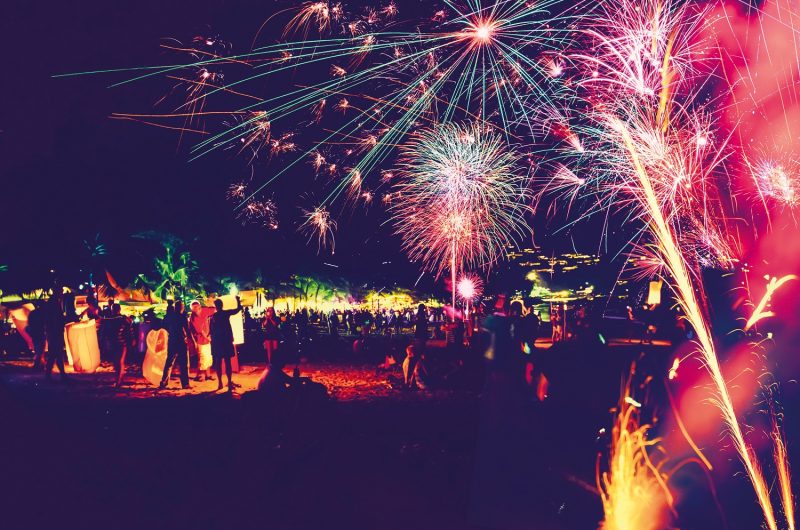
column 344, row 382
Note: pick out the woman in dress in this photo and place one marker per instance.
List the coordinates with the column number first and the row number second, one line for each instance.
column 271, row 333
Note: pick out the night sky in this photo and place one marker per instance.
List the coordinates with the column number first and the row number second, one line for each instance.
column 69, row 172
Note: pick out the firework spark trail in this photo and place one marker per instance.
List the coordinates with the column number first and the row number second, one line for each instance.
column 673, row 374
column 634, row 491
column 564, row 184
column 784, row 476
column 759, row 312
column 657, row 172
column 683, row 287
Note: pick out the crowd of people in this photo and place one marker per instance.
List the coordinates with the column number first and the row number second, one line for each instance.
column 206, row 333
column 509, row 339
column 386, row 321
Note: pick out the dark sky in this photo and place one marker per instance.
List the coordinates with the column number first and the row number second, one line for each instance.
column 69, row 172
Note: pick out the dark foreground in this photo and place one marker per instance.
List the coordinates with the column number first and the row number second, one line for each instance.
column 82, row 455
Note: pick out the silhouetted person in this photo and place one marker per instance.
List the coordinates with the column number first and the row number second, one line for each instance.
column 557, row 317
column 222, row 340
column 274, row 381
column 118, row 332
column 421, row 325
column 529, row 328
column 528, row 333
column 505, row 470
column 36, row 330
column 504, row 351
column 54, row 322
column 272, row 333
column 333, row 324
column 302, row 322
column 457, row 335
column 277, row 386
column 416, row 351
column 106, row 311
column 398, row 323
column 92, row 311
column 178, row 333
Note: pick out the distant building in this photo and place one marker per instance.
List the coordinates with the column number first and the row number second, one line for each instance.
column 563, row 278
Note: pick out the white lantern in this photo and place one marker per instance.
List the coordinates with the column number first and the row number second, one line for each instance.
column 19, row 316
column 237, row 321
column 82, row 346
column 156, row 356
column 654, row 294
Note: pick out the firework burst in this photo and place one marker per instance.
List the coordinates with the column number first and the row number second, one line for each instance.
column 318, row 224
column 463, row 201
column 469, row 287
column 777, row 182
column 263, row 213
column 372, row 79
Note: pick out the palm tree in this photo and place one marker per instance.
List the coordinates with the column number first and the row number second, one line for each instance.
column 94, row 250
column 175, row 274
column 223, row 284
column 3, row 268
column 306, row 285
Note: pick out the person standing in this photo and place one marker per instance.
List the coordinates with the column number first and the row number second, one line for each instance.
column 201, row 335
column 92, row 311
column 457, row 336
column 557, row 320
column 379, row 321
column 37, row 332
column 416, row 351
column 333, row 323
column 271, row 333
column 118, row 332
column 349, row 320
column 504, row 463
column 106, row 311
column 530, row 325
column 528, row 333
column 222, row 340
column 421, row 326
column 178, row 333
column 54, row 322
column 398, row 322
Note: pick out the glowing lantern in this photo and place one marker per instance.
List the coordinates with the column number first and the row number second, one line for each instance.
column 82, row 347
column 156, row 356
column 19, row 316
column 237, row 320
column 654, row 294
